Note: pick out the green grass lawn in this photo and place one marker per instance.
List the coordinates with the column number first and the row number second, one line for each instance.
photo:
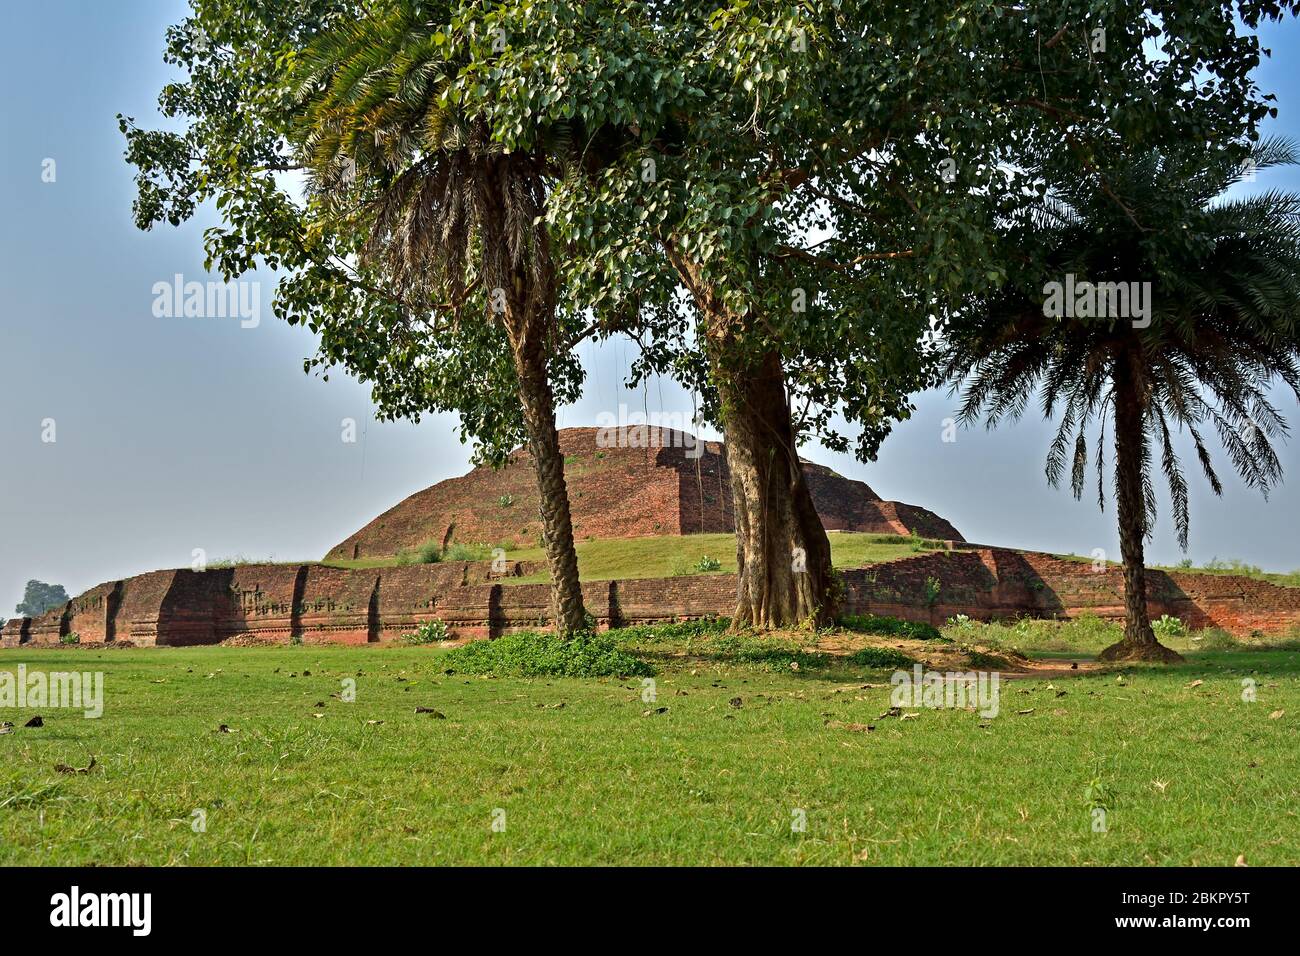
column 657, row 557
column 652, row 557
column 1283, row 579
column 586, row 771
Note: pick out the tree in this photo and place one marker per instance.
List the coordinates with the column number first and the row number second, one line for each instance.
column 40, row 597
column 819, row 178
column 1144, row 301
column 416, row 255
column 391, row 155
column 714, row 141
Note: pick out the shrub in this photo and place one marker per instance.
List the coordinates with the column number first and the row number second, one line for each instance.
column 981, row 660
column 428, row 553
column 533, row 654
column 429, row 632
column 681, row 566
column 1213, row 639
column 932, row 589
column 467, row 552
column 677, row 630
column 70, row 638
column 1168, row 627
column 880, row 657
column 1088, row 632
column 889, row 627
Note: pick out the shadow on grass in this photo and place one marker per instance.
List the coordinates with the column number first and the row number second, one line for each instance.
column 1201, row 664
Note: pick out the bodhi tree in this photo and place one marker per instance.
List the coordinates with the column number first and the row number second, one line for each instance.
column 822, row 179
column 415, row 248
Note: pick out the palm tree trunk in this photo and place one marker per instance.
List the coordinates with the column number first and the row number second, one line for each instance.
column 1139, row 642
column 528, row 291
column 538, row 403
column 783, row 557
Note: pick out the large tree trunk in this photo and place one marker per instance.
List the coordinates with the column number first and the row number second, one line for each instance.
column 527, row 298
column 783, row 556
column 1139, row 642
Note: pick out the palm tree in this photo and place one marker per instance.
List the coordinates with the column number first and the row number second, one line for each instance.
column 1199, row 349
column 448, row 214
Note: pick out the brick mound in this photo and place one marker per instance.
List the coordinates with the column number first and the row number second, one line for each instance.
column 620, row 491
column 623, row 483
column 266, row 603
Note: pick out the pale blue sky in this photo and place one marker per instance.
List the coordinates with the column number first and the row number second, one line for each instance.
column 176, row 434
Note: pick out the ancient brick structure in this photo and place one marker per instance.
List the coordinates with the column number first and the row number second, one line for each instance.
column 623, row 483
column 313, row 603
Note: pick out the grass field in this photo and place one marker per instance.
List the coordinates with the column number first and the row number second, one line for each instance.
column 735, row 748
column 602, row 559
column 609, row 558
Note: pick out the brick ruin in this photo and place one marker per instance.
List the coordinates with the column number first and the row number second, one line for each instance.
column 623, row 483
column 624, row 492
column 319, row 604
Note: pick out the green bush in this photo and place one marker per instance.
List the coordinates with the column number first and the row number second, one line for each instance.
column 430, row 632
column 880, row 657
column 981, row 660
column 889, row 627
column 532, row 654
column 1213, row 639
column 675, row 631
column 70, row 638
column 932, row 588
column 468, row 552
column 1168, row 627
column 1088, row 633
column 681, row 566
column 1233, row 566
column 428, row 553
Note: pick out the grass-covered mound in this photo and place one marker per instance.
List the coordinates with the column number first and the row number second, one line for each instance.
column 662, row 556
column 532, row 654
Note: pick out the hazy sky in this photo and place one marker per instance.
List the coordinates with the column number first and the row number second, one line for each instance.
column 174, row 434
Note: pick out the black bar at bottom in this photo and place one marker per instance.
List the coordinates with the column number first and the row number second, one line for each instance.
column 331, row 906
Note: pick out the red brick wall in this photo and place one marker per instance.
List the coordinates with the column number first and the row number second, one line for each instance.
column 314, row 603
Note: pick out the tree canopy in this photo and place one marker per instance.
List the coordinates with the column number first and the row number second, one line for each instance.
column 40, row 597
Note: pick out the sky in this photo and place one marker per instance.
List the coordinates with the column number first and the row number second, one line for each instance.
column 172, row 434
